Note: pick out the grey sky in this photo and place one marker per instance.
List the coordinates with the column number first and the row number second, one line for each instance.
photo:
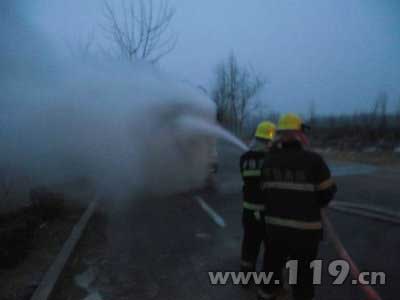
column 339, row 53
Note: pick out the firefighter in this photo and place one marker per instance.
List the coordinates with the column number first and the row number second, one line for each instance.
column 298, row 184
column 251, row 163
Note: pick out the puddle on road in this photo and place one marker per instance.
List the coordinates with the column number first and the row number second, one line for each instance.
column 349, row 169
column 85, row 280
column 94, row 296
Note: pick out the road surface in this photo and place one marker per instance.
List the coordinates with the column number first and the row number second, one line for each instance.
column 164, row 248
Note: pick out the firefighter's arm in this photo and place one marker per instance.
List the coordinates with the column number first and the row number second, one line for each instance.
column 326, row 186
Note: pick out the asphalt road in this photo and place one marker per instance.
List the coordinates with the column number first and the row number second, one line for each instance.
column 164, row 248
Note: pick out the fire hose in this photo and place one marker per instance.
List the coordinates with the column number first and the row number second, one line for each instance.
column 355, row 272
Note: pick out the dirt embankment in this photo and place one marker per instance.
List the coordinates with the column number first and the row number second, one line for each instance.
column 19, row 281
column 32, row 236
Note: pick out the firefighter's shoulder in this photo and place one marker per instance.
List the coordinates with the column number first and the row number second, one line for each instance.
column 314, row 157
column 322, row 172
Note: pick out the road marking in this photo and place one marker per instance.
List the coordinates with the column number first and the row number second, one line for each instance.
column 213, row 215
column 53, row 274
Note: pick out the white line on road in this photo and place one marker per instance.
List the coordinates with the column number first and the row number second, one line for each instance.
column 49, row 281
column 213, row 215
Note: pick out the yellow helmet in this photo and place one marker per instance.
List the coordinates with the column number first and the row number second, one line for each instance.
column 290, row 122
column 265, row 130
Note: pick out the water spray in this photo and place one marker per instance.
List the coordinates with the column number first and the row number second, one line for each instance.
column 203, row 127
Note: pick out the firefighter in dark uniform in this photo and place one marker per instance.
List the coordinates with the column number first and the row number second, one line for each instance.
column 297, row 184
column 251, row 164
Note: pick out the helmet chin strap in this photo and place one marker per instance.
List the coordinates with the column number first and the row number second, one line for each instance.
column 302, row 138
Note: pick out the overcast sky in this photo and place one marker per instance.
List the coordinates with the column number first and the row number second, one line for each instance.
column 338, row 53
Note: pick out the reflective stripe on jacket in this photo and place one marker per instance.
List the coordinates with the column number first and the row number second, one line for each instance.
column 297, row 184
column 251, row 164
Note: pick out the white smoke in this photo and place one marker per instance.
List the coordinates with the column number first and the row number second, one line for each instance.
column 113, row 122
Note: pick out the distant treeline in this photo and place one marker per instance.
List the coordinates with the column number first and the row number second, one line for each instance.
column 238, row 110
column 356, row 131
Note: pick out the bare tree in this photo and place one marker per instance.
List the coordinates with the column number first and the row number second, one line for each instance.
column 398, row 112
column 82, row 48
column 312, row 114
column 233, row 92
column 219, row 93
column 379, row 111
column 6, row 186
column 139, row 30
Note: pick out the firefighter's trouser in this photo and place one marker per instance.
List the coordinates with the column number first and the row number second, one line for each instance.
column 253, row 235
column 280, row 251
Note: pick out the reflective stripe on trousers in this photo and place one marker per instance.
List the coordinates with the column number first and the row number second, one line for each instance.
column 246, row 264
column 251, row 173
column 264, row 295
column 253, row 206
column 293, row 223
column 289, row 186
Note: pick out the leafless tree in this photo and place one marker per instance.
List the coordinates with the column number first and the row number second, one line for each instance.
column 6, row 186
column 82, row 48
column 312, row 114
column 379, row 111
column 139, row 29
column 398, row 112
column 233, row 92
